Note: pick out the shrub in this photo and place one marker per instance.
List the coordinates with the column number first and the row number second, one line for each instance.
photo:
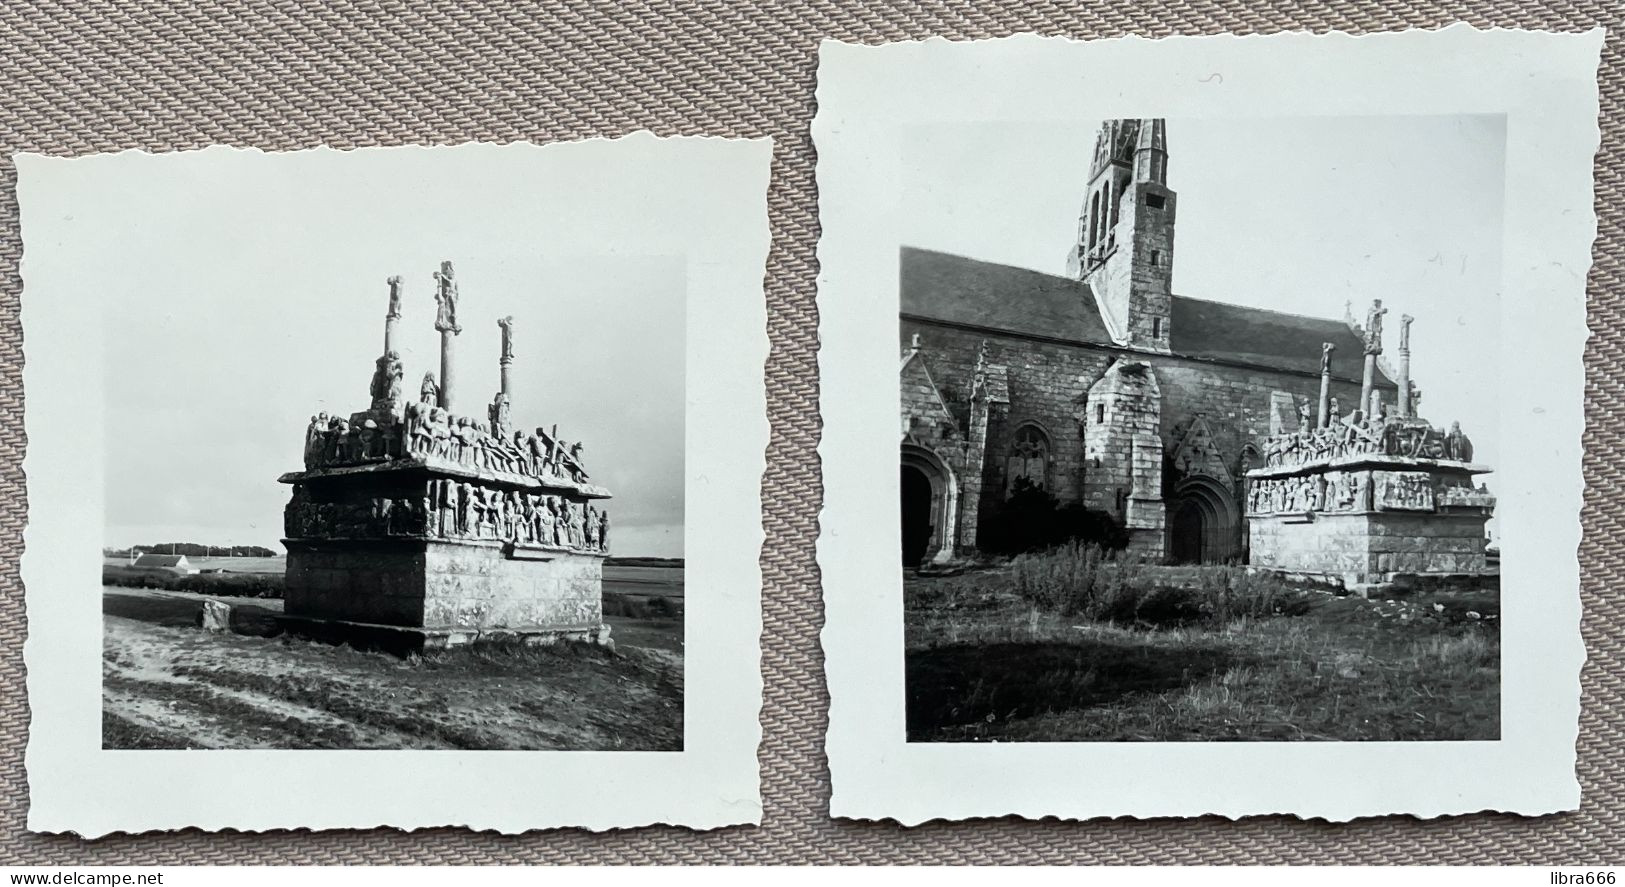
column 639, row 607
column 1032, row 520
column 1077, row 579
column 256, row 585
column 1080, row 579
column 1230, row 593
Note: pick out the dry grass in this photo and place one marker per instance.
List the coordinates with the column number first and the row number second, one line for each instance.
column 167, row 683
column 1011, row 655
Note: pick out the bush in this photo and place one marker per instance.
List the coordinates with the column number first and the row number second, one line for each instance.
column 1033, row 520
column 1080, row 579
column 639, row 607
column 1077, row 579
column 258, row 585
column 1231, row 593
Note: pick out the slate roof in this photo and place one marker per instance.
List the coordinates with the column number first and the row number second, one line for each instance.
column 1260, row 337
column 942, row 286
column 954, row 289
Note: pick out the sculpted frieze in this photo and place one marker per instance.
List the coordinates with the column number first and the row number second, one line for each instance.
column 1358, row 435
column 421, row 430
column 456, row 510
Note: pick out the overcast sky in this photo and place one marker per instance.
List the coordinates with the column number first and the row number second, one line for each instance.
column 1295, row 215
column 247, row 292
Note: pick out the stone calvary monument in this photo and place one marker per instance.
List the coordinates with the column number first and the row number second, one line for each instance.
column 415, row 526
column 1362, row 499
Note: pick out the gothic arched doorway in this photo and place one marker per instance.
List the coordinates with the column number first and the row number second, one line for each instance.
column 1204, row 527
column 1186, row 530
column 916, row 505
column 929, row 504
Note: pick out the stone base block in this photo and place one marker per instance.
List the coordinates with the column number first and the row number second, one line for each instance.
column 445, row 588
column 1369, row 549
column 401, row 640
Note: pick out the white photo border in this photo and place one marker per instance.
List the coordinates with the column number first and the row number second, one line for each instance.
column 1546, row 86
column 76, row 786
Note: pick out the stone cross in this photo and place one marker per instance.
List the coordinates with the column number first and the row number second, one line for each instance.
column 445, row 297
column 393, row 314
column 394, row 296
column 507, row 356
column 1324, row 412
column 1405, row 406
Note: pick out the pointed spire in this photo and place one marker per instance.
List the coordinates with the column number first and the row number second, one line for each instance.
column 1151, row 152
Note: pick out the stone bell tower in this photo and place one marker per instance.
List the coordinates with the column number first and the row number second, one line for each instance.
column 1125, row 247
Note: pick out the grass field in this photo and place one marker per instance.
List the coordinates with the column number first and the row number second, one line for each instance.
column 167, row 683
column 1176, row 654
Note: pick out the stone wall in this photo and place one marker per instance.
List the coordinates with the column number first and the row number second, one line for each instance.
column 1046, row 382
column 1236, row 401
column 1367, row 548
column 478, row 586
column 378, row 583
column 1049, row 385
column 440, row 585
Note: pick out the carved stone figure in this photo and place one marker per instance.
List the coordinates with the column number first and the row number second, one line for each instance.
column 547, row 522
column 394, row 296
column 507, row 337
column 1326, row 349
column 445, row 298
column 429, row 391
column 1306, row 416
column 589, row 529
column 603, row 530
column 498, row 412
column 386, row 380
column 1373, row 327
column 1456, row 444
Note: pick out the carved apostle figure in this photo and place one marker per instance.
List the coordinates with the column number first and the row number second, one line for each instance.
column 589, row 528
column 429, row 391
column 603, row 530
column 445, row 299
column 547, row 518
column 1326, row 349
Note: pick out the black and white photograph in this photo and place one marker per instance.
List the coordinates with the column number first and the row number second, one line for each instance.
column 1215, row 429
column 494, row 539
column 1178, row 486
column 394, row 447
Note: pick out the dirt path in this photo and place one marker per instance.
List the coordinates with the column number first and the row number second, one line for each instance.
column 169, row 684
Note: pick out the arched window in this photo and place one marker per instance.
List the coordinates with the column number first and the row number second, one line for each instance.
column 1094, row 219
column 1029, row 457
column 1108, row 222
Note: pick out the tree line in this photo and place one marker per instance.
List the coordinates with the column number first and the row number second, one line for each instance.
column 192, row 549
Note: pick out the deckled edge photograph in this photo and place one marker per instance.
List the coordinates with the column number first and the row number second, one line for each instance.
column 1079, row 628
column 500, row 573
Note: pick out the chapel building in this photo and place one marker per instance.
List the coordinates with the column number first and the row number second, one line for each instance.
column 1103, row 386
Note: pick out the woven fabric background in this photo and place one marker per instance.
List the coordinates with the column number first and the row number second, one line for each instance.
column 81, row 77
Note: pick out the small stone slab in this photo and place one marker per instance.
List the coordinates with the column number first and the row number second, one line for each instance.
column 216, row 616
